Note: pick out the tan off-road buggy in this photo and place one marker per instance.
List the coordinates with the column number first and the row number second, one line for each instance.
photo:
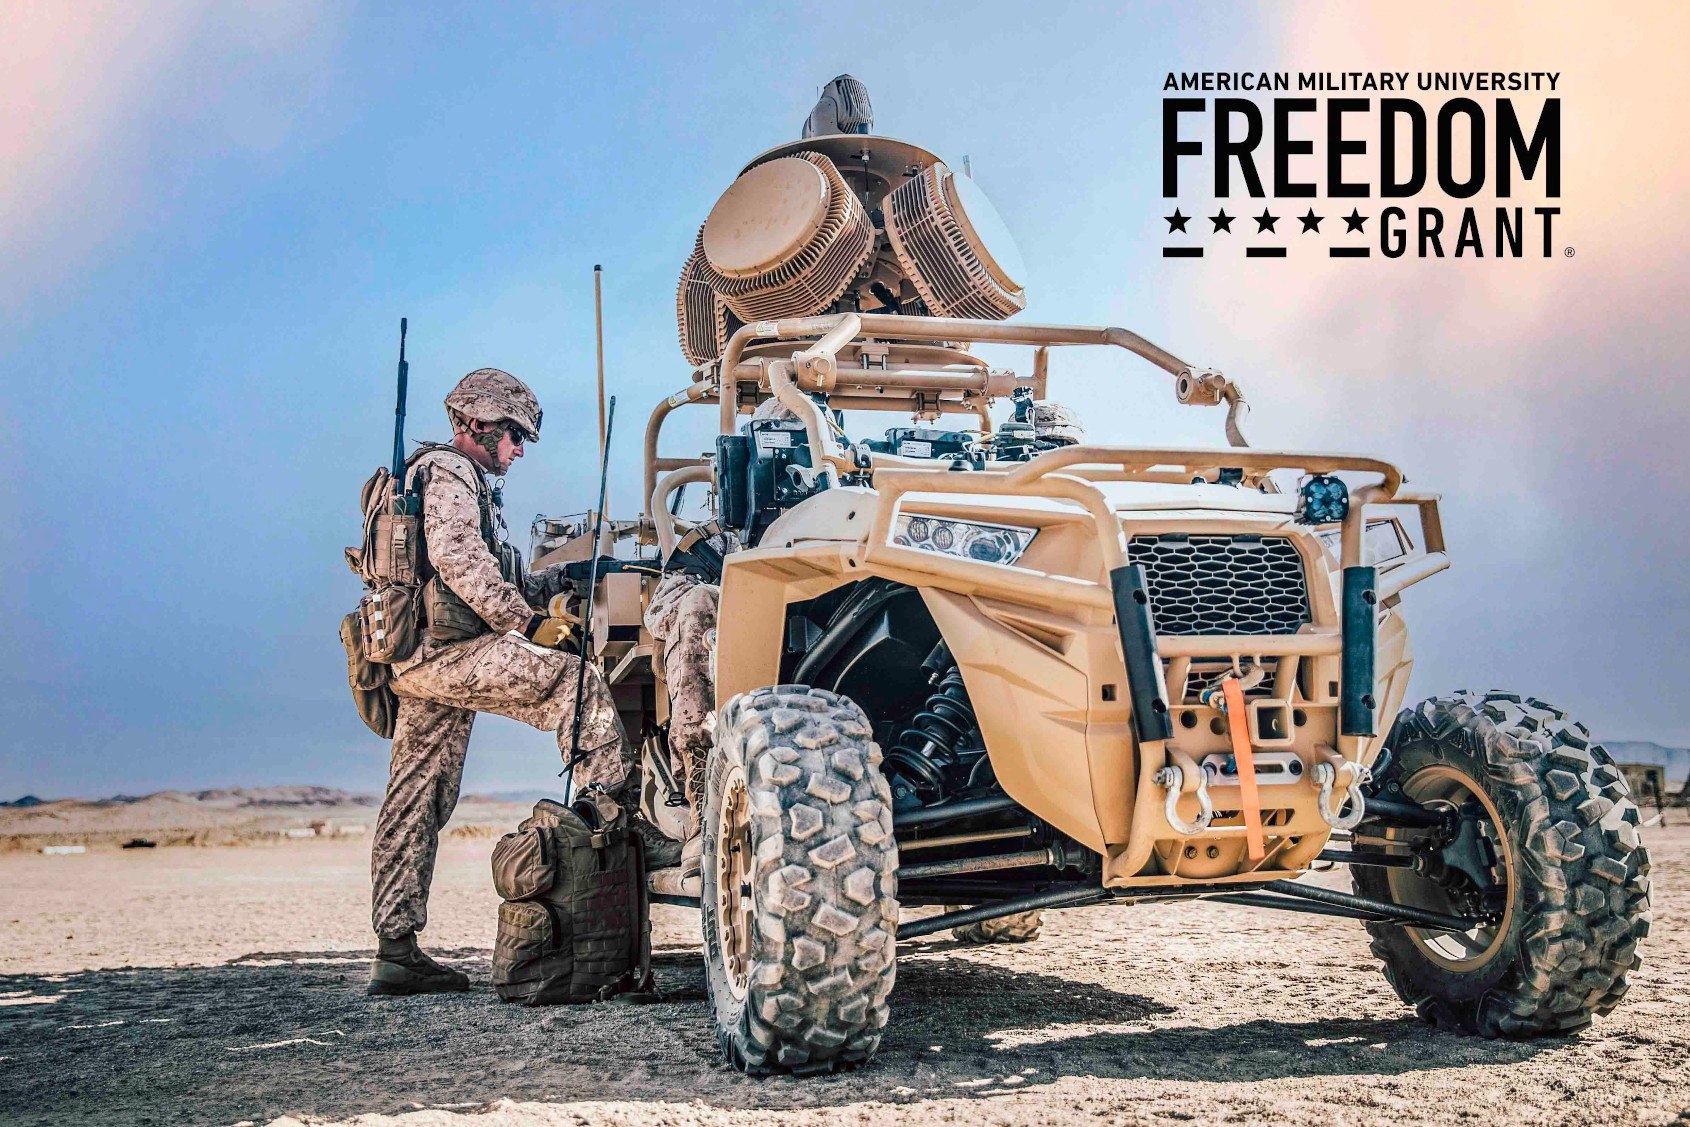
column 977, row 668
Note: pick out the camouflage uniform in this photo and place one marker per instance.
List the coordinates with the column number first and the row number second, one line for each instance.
column 444, row 684
column 682, row 617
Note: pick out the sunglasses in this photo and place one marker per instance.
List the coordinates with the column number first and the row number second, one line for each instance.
column 518, row 435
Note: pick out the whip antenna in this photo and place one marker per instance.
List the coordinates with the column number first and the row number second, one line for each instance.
column 399, row 410
column 598, row 317
column 575, row 754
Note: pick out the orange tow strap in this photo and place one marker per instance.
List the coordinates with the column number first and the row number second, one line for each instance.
column 1242, row 755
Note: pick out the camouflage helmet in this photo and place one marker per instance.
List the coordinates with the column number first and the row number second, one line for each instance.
column 772, row 408
column 496, row 397
column 1055, row 422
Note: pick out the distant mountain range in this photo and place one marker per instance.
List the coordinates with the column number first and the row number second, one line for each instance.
column 255, row 801
column 526, row 797
column 226, row 798
column 206, row 816
column 232, row 798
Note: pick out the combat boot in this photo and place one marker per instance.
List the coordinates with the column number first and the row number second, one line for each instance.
column 692, row 857
column 400, row 967
column 661, row 850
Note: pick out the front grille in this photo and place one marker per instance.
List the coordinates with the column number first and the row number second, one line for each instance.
column 1223, row 584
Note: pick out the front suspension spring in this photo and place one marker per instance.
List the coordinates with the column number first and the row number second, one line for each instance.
column 928, row 748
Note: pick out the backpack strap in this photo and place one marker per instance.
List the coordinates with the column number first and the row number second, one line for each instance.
column 638, row 987
column 486, row 500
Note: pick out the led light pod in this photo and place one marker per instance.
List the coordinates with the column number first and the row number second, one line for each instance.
column 1325, row 500
column 965, row 540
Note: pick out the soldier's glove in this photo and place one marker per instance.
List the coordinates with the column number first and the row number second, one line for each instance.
column 553, row 633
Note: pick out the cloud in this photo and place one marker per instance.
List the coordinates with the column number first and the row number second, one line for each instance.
column 112, row 106
column 1541, row 395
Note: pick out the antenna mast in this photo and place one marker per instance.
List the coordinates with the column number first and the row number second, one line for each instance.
column 598, row 316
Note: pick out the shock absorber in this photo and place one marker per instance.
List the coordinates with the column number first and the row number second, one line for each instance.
column 926, row 751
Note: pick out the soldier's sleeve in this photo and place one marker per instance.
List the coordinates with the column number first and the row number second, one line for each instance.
column 665, row 603
column 452, row 531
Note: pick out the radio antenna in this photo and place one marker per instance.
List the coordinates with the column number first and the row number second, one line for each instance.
column 575, row 753
column 598, row 317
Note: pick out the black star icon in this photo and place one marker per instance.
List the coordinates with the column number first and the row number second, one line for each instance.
column 1265, row 222
column 1222, row 222
column 1176, row 222
column 1354, row 220
column 1310, row 222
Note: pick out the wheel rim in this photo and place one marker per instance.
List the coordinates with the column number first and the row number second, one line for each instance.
column 1447, row 788
column 733, row 881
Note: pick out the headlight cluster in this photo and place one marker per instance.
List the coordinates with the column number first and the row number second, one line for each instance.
column 967, row 540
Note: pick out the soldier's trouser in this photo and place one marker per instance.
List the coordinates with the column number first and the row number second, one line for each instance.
column 682, row 615
column 438, row 700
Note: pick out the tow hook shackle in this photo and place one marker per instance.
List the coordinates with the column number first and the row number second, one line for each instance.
column 1214, row 696
column 1326, row 774
column 1173, row 779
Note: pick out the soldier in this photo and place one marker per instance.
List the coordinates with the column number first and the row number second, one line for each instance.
column 681, row 616
column 1055, row 424
column 487, row 649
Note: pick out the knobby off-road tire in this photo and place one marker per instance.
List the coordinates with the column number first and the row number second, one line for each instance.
column 798, row 831
column 1579, row 900
column 1022, row 927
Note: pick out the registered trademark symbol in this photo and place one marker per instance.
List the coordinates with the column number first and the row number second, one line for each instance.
column 1569, row 252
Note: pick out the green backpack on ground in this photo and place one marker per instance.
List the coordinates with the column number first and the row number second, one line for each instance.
column 576, row 922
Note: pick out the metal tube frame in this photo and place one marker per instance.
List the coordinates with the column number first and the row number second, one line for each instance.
column 927, row 815
column 1064, row 474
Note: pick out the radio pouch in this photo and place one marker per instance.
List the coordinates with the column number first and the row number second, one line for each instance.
column 387, row 618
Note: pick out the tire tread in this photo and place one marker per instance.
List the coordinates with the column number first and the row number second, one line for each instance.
column 1586, row 896
column 825, row 890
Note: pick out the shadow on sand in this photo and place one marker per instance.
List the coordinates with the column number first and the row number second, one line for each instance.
column 291, row 1032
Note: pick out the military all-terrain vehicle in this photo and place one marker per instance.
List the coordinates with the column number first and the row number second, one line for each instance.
column 991, row 669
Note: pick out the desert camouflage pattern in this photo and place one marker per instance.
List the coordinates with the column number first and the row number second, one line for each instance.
column 682, row 617
column 1052, row 420
column 444, row 684
column 453, row 492
column 438, row 700
column 511, row 676
column 422, row 791
column 772, row 408
column 493, row 396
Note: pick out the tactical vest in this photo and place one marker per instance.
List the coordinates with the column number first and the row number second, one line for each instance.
column 405, row 597
column 445, row 616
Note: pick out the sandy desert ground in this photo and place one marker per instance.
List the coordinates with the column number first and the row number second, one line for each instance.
column 231, row 816
column 224, row 985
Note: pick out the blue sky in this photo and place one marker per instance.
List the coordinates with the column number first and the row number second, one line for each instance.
column 216, row 219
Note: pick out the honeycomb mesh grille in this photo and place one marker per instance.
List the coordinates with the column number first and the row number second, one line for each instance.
column 1223, row 584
